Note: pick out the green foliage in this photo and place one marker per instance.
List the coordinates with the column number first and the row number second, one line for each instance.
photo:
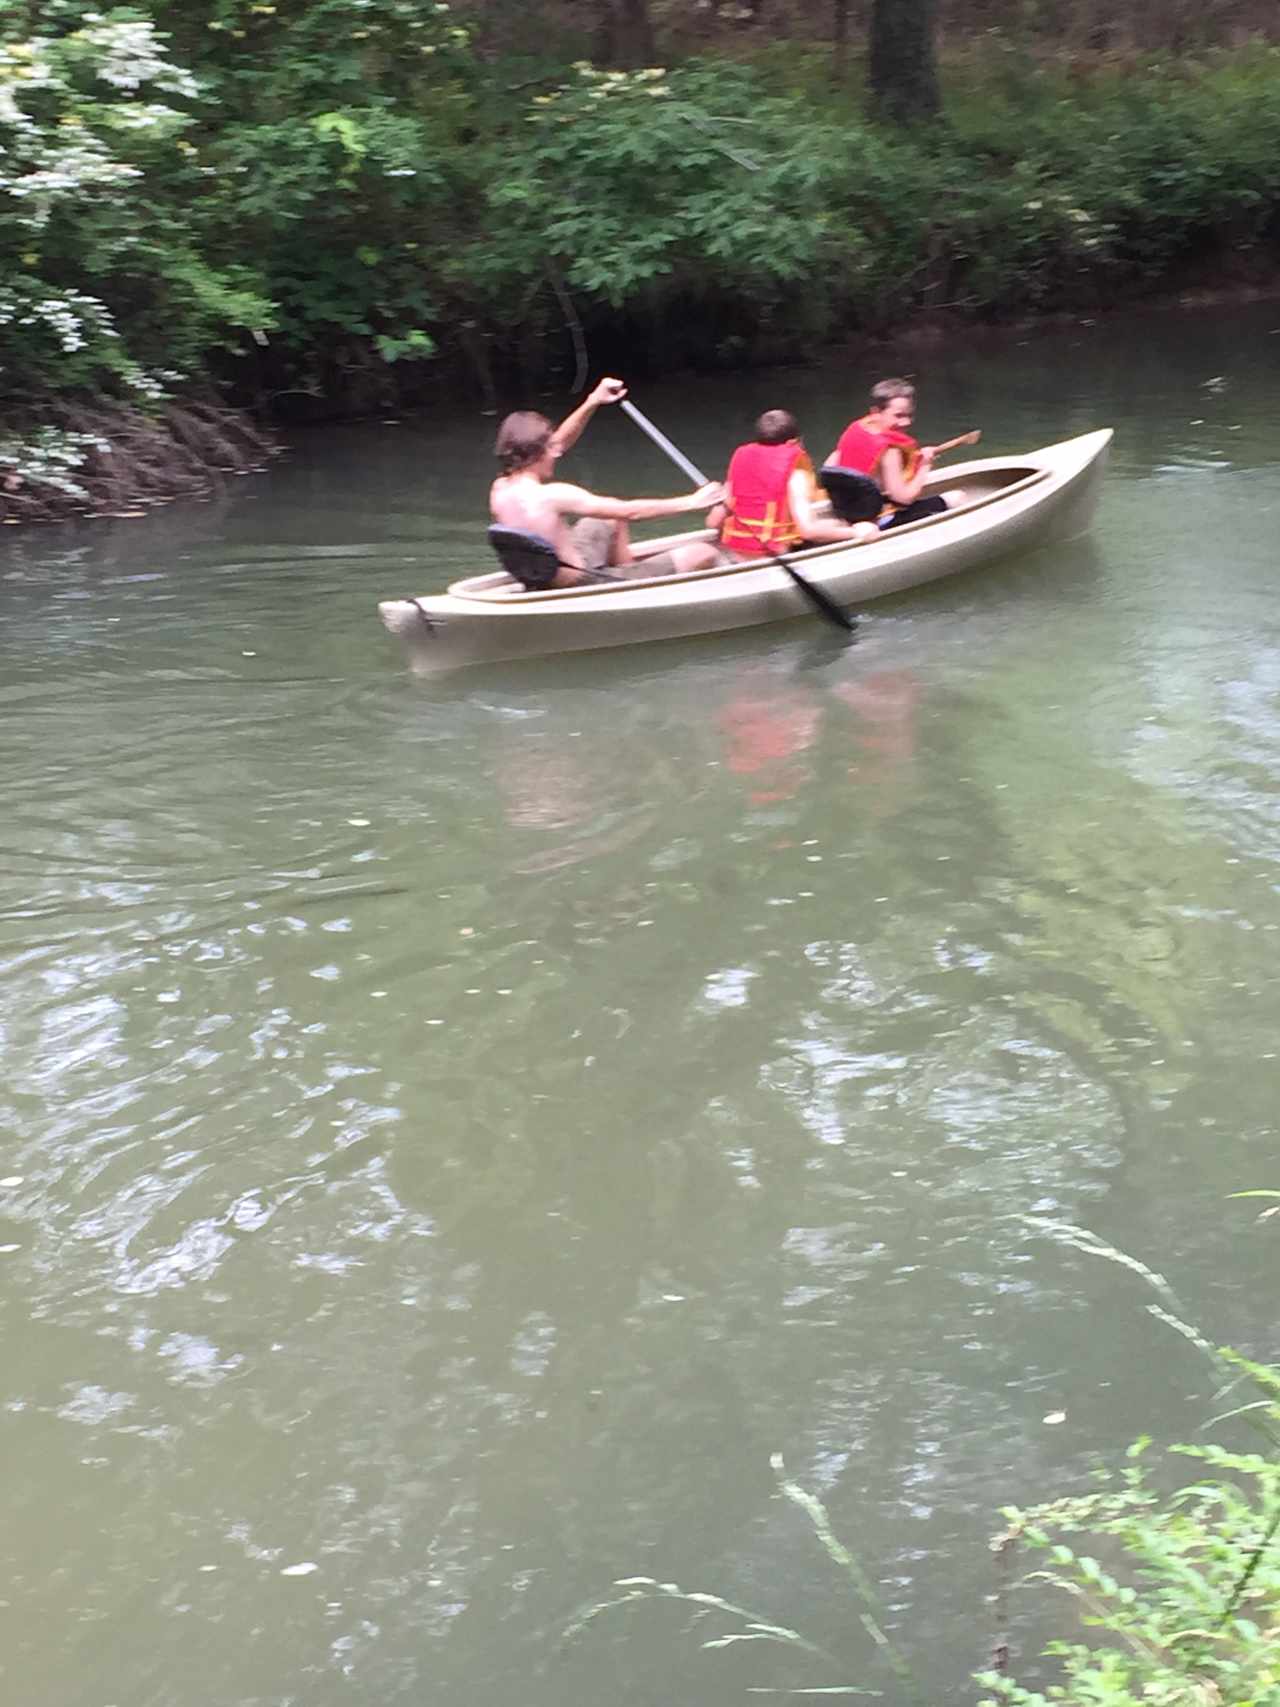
column 101, row 289
column 1181, row 1590
column 1178, row 1589
column 1176, row 1581
column 727, row 186
column 338, row 189
column 657, row 191
column 1117, row 176
column 280, row 184
column 338, row 163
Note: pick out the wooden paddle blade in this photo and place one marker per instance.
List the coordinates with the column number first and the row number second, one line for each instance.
column 955, row 444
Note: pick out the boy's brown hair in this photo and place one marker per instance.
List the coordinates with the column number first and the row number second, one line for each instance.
column 776, row 427
column 522, row 440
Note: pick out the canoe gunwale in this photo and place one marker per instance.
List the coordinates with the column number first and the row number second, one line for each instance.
column 469, row 589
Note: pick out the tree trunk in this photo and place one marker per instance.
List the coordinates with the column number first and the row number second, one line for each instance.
column 840, row 35
column 625, row 33
column 903, row 70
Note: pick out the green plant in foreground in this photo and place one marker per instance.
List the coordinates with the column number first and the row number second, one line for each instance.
column 1182, row 1589
column 1179, row 1589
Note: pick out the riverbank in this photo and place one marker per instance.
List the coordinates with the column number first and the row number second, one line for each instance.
column 112, row 463
column 928, row 332
column 99, row 460
column 458, row 225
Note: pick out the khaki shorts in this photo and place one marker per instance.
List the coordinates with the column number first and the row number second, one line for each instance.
column 593, row 540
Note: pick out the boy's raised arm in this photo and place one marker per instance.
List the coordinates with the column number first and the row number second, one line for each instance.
column 569, row 431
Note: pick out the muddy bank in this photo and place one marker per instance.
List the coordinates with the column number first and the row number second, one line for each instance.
column 95, row 460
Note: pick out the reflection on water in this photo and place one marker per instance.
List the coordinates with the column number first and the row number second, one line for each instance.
column 455, row 1132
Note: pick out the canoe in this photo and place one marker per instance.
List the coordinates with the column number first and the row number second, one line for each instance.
column 1011, row 504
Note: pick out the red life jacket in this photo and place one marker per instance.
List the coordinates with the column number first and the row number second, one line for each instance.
column 862, row 447
column 761, row 522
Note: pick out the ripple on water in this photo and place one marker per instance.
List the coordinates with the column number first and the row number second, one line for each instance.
column 411, row 1085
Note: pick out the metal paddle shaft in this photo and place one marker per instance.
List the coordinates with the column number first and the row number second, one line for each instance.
column 664, row 443
column 817, row 598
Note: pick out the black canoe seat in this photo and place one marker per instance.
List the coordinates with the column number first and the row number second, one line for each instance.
column 529, row 558
column 854, row 497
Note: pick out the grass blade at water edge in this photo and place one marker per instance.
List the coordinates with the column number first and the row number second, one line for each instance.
column 840, row 1555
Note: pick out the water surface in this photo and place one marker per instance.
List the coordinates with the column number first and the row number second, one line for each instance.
column 455, row 1131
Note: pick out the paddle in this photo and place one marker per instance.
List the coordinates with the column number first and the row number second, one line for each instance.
column 817, row 598
column 955, row 444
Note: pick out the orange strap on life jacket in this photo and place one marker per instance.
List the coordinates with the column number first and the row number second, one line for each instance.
column 761, row 522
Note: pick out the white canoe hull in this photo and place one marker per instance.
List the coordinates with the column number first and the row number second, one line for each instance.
column 1016, row 503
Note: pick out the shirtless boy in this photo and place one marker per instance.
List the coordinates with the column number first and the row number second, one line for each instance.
column 589, row 532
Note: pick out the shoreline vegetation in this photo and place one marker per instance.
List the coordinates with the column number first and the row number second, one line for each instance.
column 314, row 209
column 101, row 459
column 1163, row 1571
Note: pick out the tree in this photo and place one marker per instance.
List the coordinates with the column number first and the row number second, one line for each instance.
column 903, row 68
column 624, row 33
column 840, row 33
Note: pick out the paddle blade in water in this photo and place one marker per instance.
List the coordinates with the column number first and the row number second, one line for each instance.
column 819, row 600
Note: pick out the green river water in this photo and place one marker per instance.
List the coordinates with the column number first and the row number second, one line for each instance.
column 454, row 1130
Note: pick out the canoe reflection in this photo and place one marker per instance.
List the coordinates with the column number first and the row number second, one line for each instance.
column 771, row 732
column 766, row 735
column 572, row 794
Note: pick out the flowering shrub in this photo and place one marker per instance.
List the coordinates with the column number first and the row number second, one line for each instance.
column 92, row 160
column 48, row 458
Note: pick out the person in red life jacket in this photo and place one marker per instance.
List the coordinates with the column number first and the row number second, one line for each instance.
column 770, row 496
column 879, row 445
column 587, row 533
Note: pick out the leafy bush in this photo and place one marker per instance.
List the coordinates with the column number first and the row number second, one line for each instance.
column 1123, row 174
column 337, row 188
column 337, row 145
column 785, row 209
column 1179, row 1587
column 102, row 289
column 1182, row 1589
